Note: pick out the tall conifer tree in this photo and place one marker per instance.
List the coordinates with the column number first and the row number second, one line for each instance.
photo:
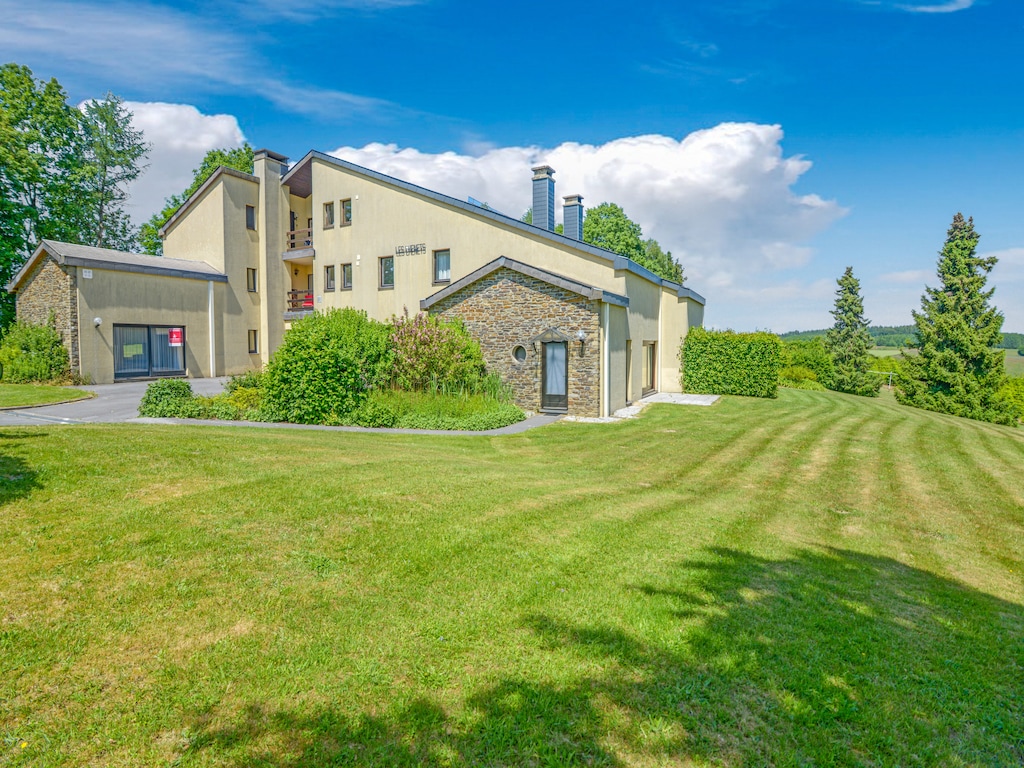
column 957, row 370
column 848, row 341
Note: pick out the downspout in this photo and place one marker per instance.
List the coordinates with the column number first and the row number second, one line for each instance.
column 606, row 395
column 213, row 329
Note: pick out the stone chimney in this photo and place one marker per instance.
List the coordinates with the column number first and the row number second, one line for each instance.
column 544, row 197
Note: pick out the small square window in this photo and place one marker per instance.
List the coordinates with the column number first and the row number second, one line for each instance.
column 329, row 278
column 250, row 279
column 346, row 277
column 346, row 212
column 387, row 272
column 250, row 217
column 254, row 346
column 442, row 266
column 328, row 215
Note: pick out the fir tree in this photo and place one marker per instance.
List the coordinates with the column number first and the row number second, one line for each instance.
column 848, row 341
column 957, row 370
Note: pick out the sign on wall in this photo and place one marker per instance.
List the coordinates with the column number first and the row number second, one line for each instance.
column 175, row 337
column 409, row 250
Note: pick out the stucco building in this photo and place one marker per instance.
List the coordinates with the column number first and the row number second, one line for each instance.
column 570, row 326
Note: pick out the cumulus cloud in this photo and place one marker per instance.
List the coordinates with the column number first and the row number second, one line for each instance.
column 720, row 199
column 179, row 136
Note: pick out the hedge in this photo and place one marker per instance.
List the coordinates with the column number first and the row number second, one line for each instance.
column 33, row 354
column 729, row 363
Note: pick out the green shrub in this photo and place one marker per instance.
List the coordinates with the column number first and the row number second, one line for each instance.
column 169, row 398
column 434, row 354
column 1012, row 393
column 246, row 400
column 326, row 366
column 424, row 410
column 729, row 363
column 810, row 354
column 33, row 353
column 247, row 380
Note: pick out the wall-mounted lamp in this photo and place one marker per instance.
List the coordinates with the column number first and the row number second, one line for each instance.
column 296, row 271
column 97, row 321
column 533, row 345
column 581, row 337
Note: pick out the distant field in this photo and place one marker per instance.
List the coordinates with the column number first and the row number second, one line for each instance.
column 1014, row 362
column 817, row 580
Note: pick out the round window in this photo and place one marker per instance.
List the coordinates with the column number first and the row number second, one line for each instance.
column 519, row 354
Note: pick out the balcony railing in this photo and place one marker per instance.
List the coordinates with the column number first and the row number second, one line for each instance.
column 300, row 301
column 299, row 238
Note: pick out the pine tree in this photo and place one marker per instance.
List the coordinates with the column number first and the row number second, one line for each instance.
column 957, row 370
column 848, row 341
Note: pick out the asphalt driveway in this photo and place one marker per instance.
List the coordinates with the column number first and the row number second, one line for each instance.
column 112, row 403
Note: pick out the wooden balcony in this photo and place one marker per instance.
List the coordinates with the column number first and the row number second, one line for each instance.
column 297, row 239
column 299, row 305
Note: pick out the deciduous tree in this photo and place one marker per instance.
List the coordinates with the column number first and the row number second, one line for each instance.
column 111, row 159
column 957, row 370
column 848, row 341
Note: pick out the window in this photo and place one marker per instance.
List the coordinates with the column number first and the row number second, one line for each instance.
column 329, row 278
column 254, row 346
column 250, row 217
column 328, row 215
column 442, row 266
column 346, row 277
column 387, row 272
column 250, row 279
column 148, row 350
column 346, row 212
column 519, row 353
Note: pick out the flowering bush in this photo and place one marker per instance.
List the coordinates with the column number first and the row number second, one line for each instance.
column 434, row 354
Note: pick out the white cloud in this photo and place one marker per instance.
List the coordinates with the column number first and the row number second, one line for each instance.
column 180, row 136
column 158, row 47
column 720, row 199
column 947, row 7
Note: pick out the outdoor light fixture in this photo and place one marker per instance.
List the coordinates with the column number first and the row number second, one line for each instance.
column 296, row 271
column 97, row 321
column 581, row 337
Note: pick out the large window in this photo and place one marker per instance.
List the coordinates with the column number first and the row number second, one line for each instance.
column 442, row 266
column 329, row 278
column 346, row 212
column 387, row 272
column 148, row 350
column 346, row 277
column 328, row 215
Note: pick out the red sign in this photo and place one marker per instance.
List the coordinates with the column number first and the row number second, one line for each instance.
column 175, row 337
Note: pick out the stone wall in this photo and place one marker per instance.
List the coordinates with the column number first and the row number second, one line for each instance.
column 506, row 309
column 50, row 289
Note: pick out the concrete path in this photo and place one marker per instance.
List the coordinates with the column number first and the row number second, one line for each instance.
column 120, row 402
column 632, row 411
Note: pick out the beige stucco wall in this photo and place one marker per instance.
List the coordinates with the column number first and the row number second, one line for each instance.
column 139, row 299
column 214, row 231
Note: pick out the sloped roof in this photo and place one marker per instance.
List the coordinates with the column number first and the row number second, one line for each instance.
column 74, row 255
column 565, row 283
column 299, row 180
column 221, row 171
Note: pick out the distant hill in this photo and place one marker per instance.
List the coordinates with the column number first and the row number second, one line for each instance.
column 897, row 336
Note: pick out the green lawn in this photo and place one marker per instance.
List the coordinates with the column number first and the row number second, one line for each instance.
column 25, row 395
column 815, row 580
column 1014, row 363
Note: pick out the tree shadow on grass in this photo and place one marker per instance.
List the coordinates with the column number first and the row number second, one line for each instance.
column 824, row 658
column 17, row 478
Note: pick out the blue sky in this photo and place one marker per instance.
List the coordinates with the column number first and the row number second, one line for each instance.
column 767, row 143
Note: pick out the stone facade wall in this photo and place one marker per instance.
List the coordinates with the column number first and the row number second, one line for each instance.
column 49, row 288
column 506, row 309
